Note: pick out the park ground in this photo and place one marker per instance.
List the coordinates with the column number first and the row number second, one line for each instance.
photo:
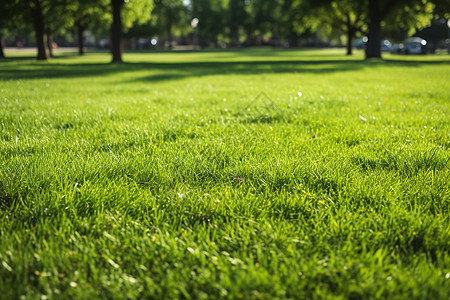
column 253, row 174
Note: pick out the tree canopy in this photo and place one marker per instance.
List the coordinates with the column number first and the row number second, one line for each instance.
column 236, row 22
column 126, row 13
column 10, row 19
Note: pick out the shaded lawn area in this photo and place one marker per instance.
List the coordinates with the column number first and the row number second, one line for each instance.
column 254, row 174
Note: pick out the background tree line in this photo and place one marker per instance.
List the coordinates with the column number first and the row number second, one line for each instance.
column 235, row 22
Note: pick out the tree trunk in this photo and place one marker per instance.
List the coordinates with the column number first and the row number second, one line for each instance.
column 169, row 33
column 80, row 31
column 234, row 36
column 350, row 37
column 116, row 31
column 374, row 43
column 50, row 42
column 275, row 36
column 39, row 28
column 2, row 53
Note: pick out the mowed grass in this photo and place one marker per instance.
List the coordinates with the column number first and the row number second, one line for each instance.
column 206, row 175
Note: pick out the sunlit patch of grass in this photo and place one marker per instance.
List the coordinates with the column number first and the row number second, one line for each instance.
column 254, row 174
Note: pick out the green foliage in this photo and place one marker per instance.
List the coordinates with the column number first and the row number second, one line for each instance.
column 407, row 19
column 401, row 16
column 307, row 15
column 237, row 19
column 9, row 14
column 169, row 16
column 206, row 175
column 93, row 15
column 265, row 15
column 136, row 12
column 213, row 16
column 12, row 19
column 57, row 14
column 98, row 13
column 441, row 9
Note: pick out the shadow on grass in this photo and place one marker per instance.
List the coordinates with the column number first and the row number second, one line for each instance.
column 171, row 71
column 178, row 70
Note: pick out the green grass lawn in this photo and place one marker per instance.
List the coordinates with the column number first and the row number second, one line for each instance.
column 252, row 174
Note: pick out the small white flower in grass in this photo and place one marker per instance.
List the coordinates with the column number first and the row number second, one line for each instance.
column 73, row 284
column 6, row 266
column 447, row 276
column 299, row 94
column 130, row 279
column 362, row 118
column 112, row 263
column 180, row 195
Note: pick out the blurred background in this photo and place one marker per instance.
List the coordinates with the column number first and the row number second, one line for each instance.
column 405, row 27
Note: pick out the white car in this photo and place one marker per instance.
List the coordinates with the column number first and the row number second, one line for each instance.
column 386, row 46
column 415, row 45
